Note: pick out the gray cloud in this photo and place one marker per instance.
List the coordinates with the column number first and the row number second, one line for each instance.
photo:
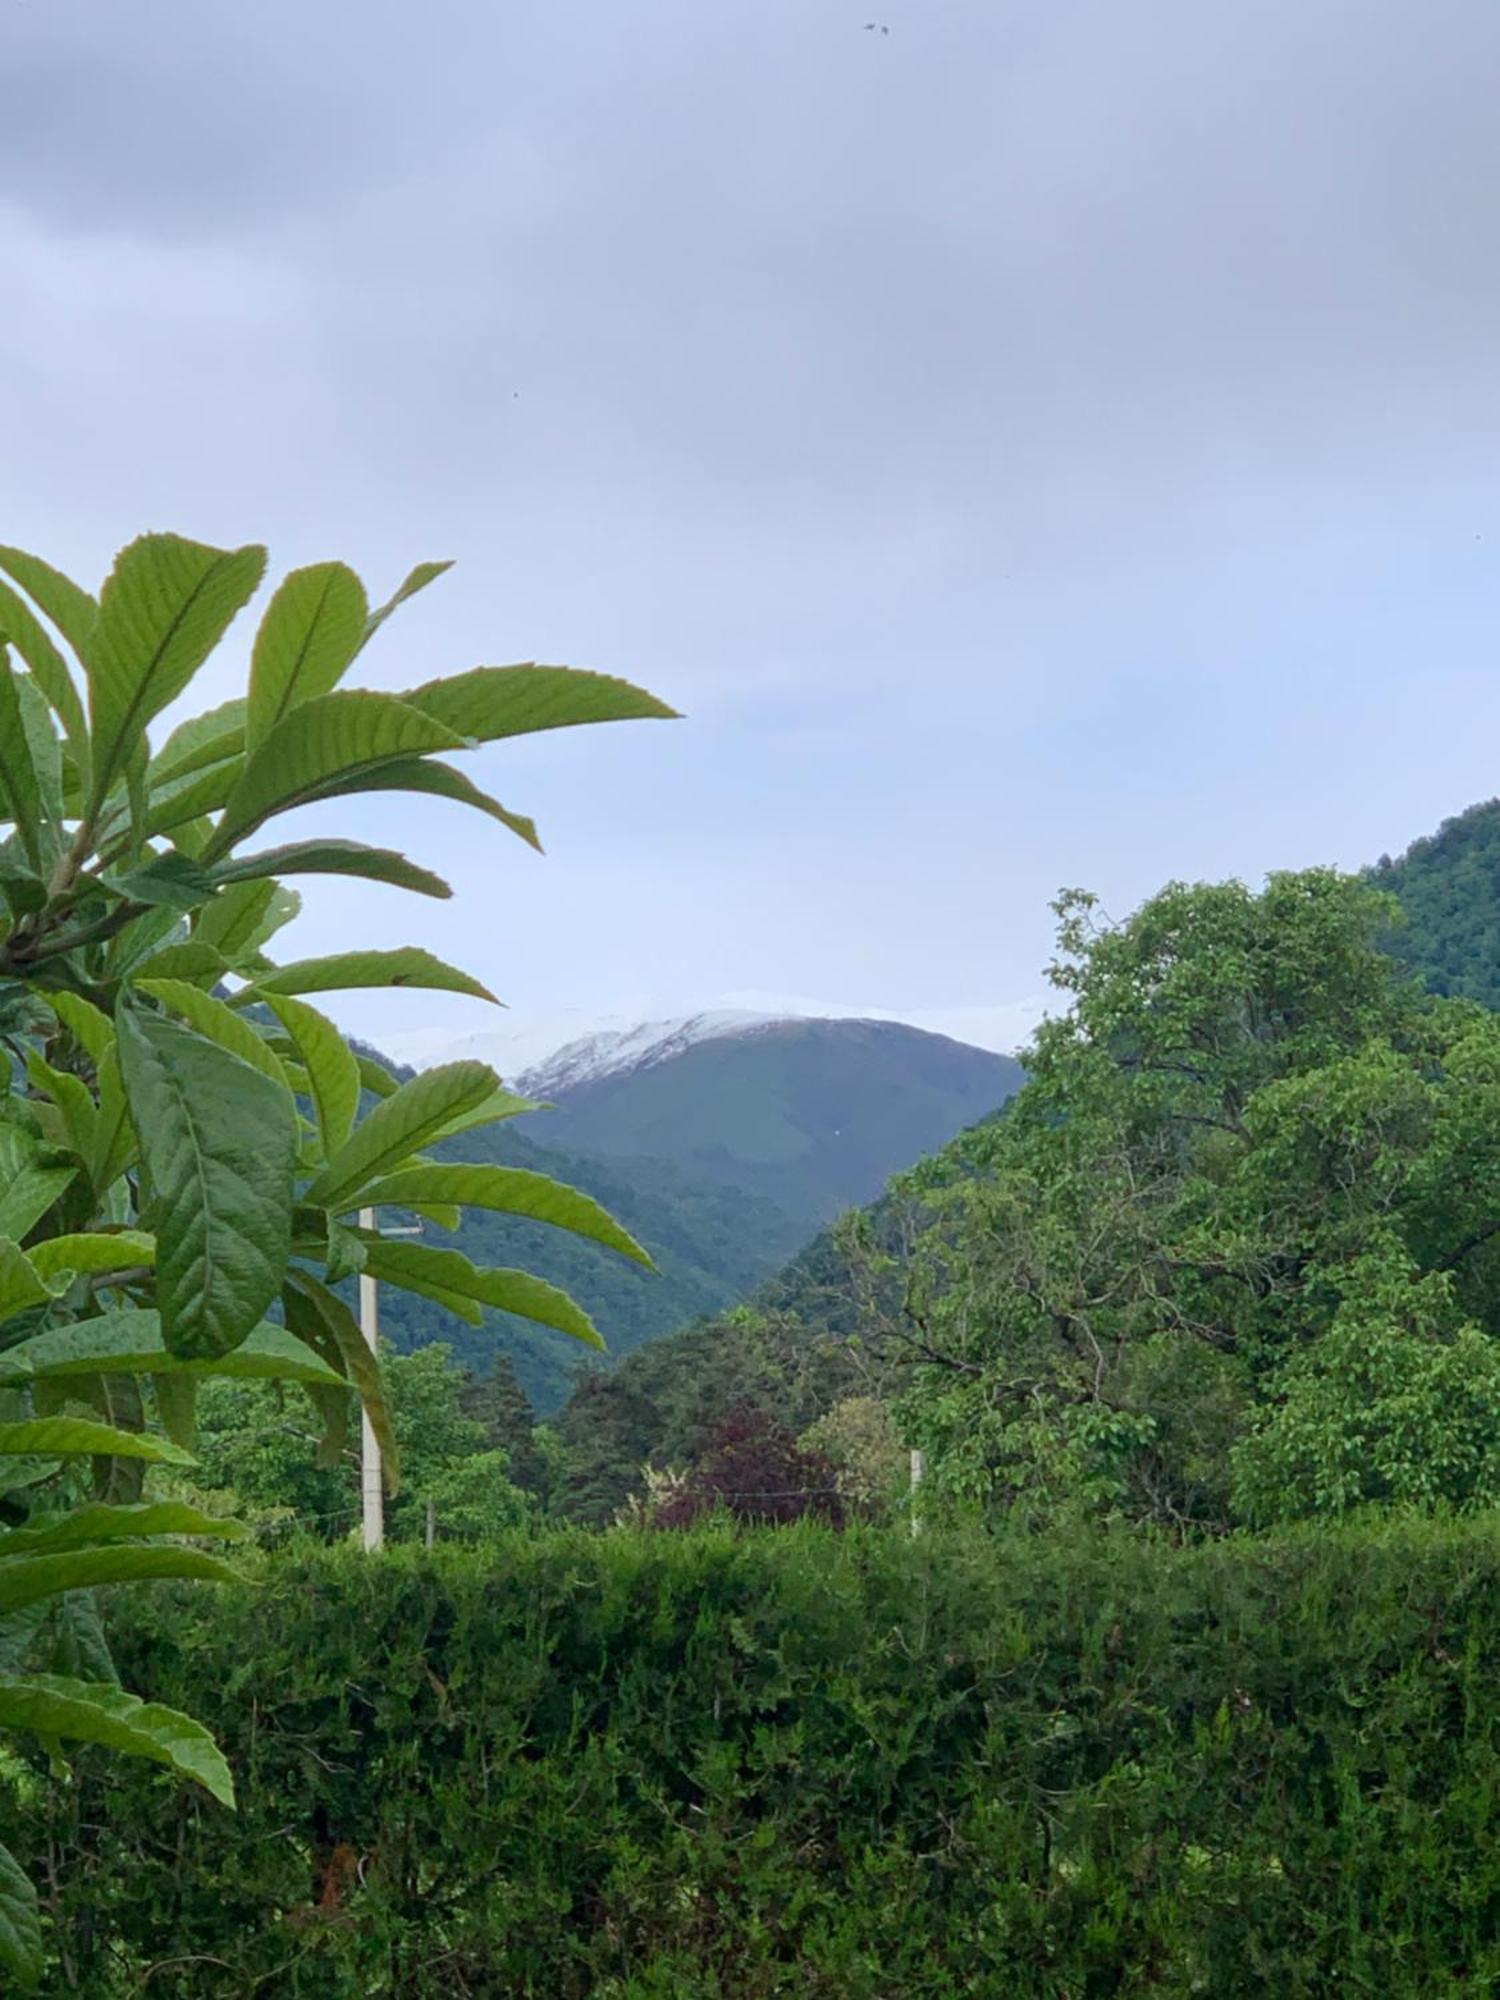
column 1046, row 443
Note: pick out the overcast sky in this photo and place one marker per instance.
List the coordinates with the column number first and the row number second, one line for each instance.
column 1056, row 441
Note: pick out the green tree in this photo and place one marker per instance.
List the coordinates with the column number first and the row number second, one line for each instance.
column 182, row 1150
column 1237, row 1243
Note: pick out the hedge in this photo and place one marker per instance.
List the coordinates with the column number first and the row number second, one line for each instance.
column 801, row 1763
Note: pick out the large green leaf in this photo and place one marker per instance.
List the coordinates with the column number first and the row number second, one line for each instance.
column 71, row 609
column 343, row 970
column 81, row 1437
column 331, row 738
column 28, row 1579
column 239, row 920
column 46, row 751
column 166, row 605
column 20, row 1924
column 89, row 1026
column 92, row 1252
column 448, row 1277
column 415, row 579
column 73, row 1099
column 400, row 1126
column 218, row 1022
column 510, row 1191
column 114, row 1137
column 317, row 1314
column 214, row 737
column 31, row 1179
column 430, row 775
column 182, row 800
column 335, row 857
column 311, row 631
column 48, row 666
column 219, row 1144
column 89, row 1526
column 490, row 702
column 99, row 1712
column 20, row 794
column 21, row 1284
column 130, row 1342
column 332, row 1067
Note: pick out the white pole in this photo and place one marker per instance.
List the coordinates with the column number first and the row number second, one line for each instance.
column 372, row 1489
column 918, row 1468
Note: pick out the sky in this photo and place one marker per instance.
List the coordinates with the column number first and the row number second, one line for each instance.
column 1055, row 442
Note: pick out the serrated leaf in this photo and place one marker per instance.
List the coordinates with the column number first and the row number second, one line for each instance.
column 332, row 1069
column 47, row 664
column 415, row 579
column 20, row 794
column 218, row 1140
column 46, row 751
column 446, row 1275
column 181, row 801
column 216, row 736
column 81, row 1437
column 220, row 1023
column 90, row 1526
column 100, row 1712
column 166, row 605
column 344, row 970
column 508, row 1191
column 313, row 1311
column 431, row 775
column 331, row 738
column 399, row 1127
column 312, row 629
column 488, row 703
column 66, row 604
column 336, row 857
column 20, row 1924
column 130, row 1342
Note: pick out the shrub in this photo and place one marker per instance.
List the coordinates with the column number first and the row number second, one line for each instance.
column 727, row 1765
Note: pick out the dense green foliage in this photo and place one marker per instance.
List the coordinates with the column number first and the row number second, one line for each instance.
column 1448, row 886
column 185, row 1173
column 464, row 1448
column 710, row 1246
column 1232, row 1254
column 706, row 1767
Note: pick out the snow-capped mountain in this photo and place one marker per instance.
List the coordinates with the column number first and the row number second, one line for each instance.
column 611, row 1053
column 561, row 1049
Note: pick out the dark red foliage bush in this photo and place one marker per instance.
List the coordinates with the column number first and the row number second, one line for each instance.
column 756, row 1471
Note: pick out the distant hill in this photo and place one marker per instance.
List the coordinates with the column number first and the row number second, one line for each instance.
column 814, row 1116
column 723, row 1147
column 1448, row 886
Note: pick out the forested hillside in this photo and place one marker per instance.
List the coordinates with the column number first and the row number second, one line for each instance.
column 1448, row 886
column 812, row 1115
column 722, row 1160
column 1229, row 1256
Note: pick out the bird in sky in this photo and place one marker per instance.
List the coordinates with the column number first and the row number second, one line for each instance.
column 871, row 26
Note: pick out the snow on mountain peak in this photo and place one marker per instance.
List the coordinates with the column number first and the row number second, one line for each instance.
column 614, row 1051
